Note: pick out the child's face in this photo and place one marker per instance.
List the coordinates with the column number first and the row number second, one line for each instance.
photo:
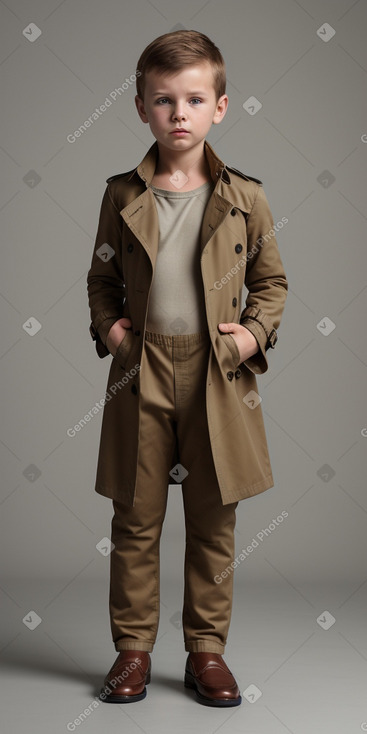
column 186, row 100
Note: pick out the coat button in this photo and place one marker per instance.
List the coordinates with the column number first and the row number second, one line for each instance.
column 134, row 389
column 137, row 332
column 233, row 212
column 130, row 247
column 238, row 248
column 238, row 374
column 234, row 302
column 230, row 375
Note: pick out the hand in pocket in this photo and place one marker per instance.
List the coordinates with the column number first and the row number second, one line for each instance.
column 116, row 334
column 245, row 344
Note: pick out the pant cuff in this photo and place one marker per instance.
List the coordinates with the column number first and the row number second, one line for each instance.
column 134, row 645
column 204, row 646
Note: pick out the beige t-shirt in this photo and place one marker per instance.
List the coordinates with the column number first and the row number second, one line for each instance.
column 176, row 301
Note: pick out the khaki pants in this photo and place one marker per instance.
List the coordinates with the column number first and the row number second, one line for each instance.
column 173, row 429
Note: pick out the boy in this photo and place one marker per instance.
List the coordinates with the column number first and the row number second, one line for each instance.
column 178, row 236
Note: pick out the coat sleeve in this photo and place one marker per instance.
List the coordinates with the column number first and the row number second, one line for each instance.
column 265, row 280
column 105, row 281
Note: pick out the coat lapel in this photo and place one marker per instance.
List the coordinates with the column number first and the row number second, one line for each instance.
column 141, row 214
column 142, row 219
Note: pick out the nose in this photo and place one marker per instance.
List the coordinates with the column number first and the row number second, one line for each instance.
column 179, row 113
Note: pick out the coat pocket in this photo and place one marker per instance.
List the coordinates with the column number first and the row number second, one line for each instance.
column 124, row 348
column 233, row 348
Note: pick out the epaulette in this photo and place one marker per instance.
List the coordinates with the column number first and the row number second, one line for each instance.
column 119, row 175
column 243, row 175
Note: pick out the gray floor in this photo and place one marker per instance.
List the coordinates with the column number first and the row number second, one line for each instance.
column 311, row 679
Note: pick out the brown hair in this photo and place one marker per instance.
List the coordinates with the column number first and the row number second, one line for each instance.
column 171, row 52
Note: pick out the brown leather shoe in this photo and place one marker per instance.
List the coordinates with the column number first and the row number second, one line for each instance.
column 211, row 679
column 126, row 680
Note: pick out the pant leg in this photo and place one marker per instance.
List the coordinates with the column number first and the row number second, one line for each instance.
column 209, row 524
column 134, row 599
column 173, row 403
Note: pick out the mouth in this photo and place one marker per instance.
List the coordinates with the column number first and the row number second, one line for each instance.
column 179, row 131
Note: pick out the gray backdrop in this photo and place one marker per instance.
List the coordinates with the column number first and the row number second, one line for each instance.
column 306, row 64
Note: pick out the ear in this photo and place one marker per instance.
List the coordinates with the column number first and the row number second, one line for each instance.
column 221, row 109
column 141, row 109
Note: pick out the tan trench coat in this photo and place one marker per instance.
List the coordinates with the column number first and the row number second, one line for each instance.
column 238, row 247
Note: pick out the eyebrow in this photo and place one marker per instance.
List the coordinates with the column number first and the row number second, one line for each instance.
column 202, row 94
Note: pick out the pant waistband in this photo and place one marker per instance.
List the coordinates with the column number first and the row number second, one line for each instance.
column 177, row 340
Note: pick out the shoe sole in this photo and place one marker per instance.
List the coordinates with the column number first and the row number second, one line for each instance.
column 189, row 682
column 115, row 698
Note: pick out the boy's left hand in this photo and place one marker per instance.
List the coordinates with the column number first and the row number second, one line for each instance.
column 245, row 340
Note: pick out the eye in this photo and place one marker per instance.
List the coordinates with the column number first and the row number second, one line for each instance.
column 166, row 99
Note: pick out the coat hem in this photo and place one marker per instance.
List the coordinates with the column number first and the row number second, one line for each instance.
column 111, row 495
column 235, row 496
column 251, row 491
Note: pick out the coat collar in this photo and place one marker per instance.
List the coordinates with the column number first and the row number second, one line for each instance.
column 141, row 215
column 147, row 166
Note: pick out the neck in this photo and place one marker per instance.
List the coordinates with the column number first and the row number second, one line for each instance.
column 193, row 162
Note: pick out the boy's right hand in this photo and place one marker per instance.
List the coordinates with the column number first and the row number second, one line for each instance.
column 117, row 333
